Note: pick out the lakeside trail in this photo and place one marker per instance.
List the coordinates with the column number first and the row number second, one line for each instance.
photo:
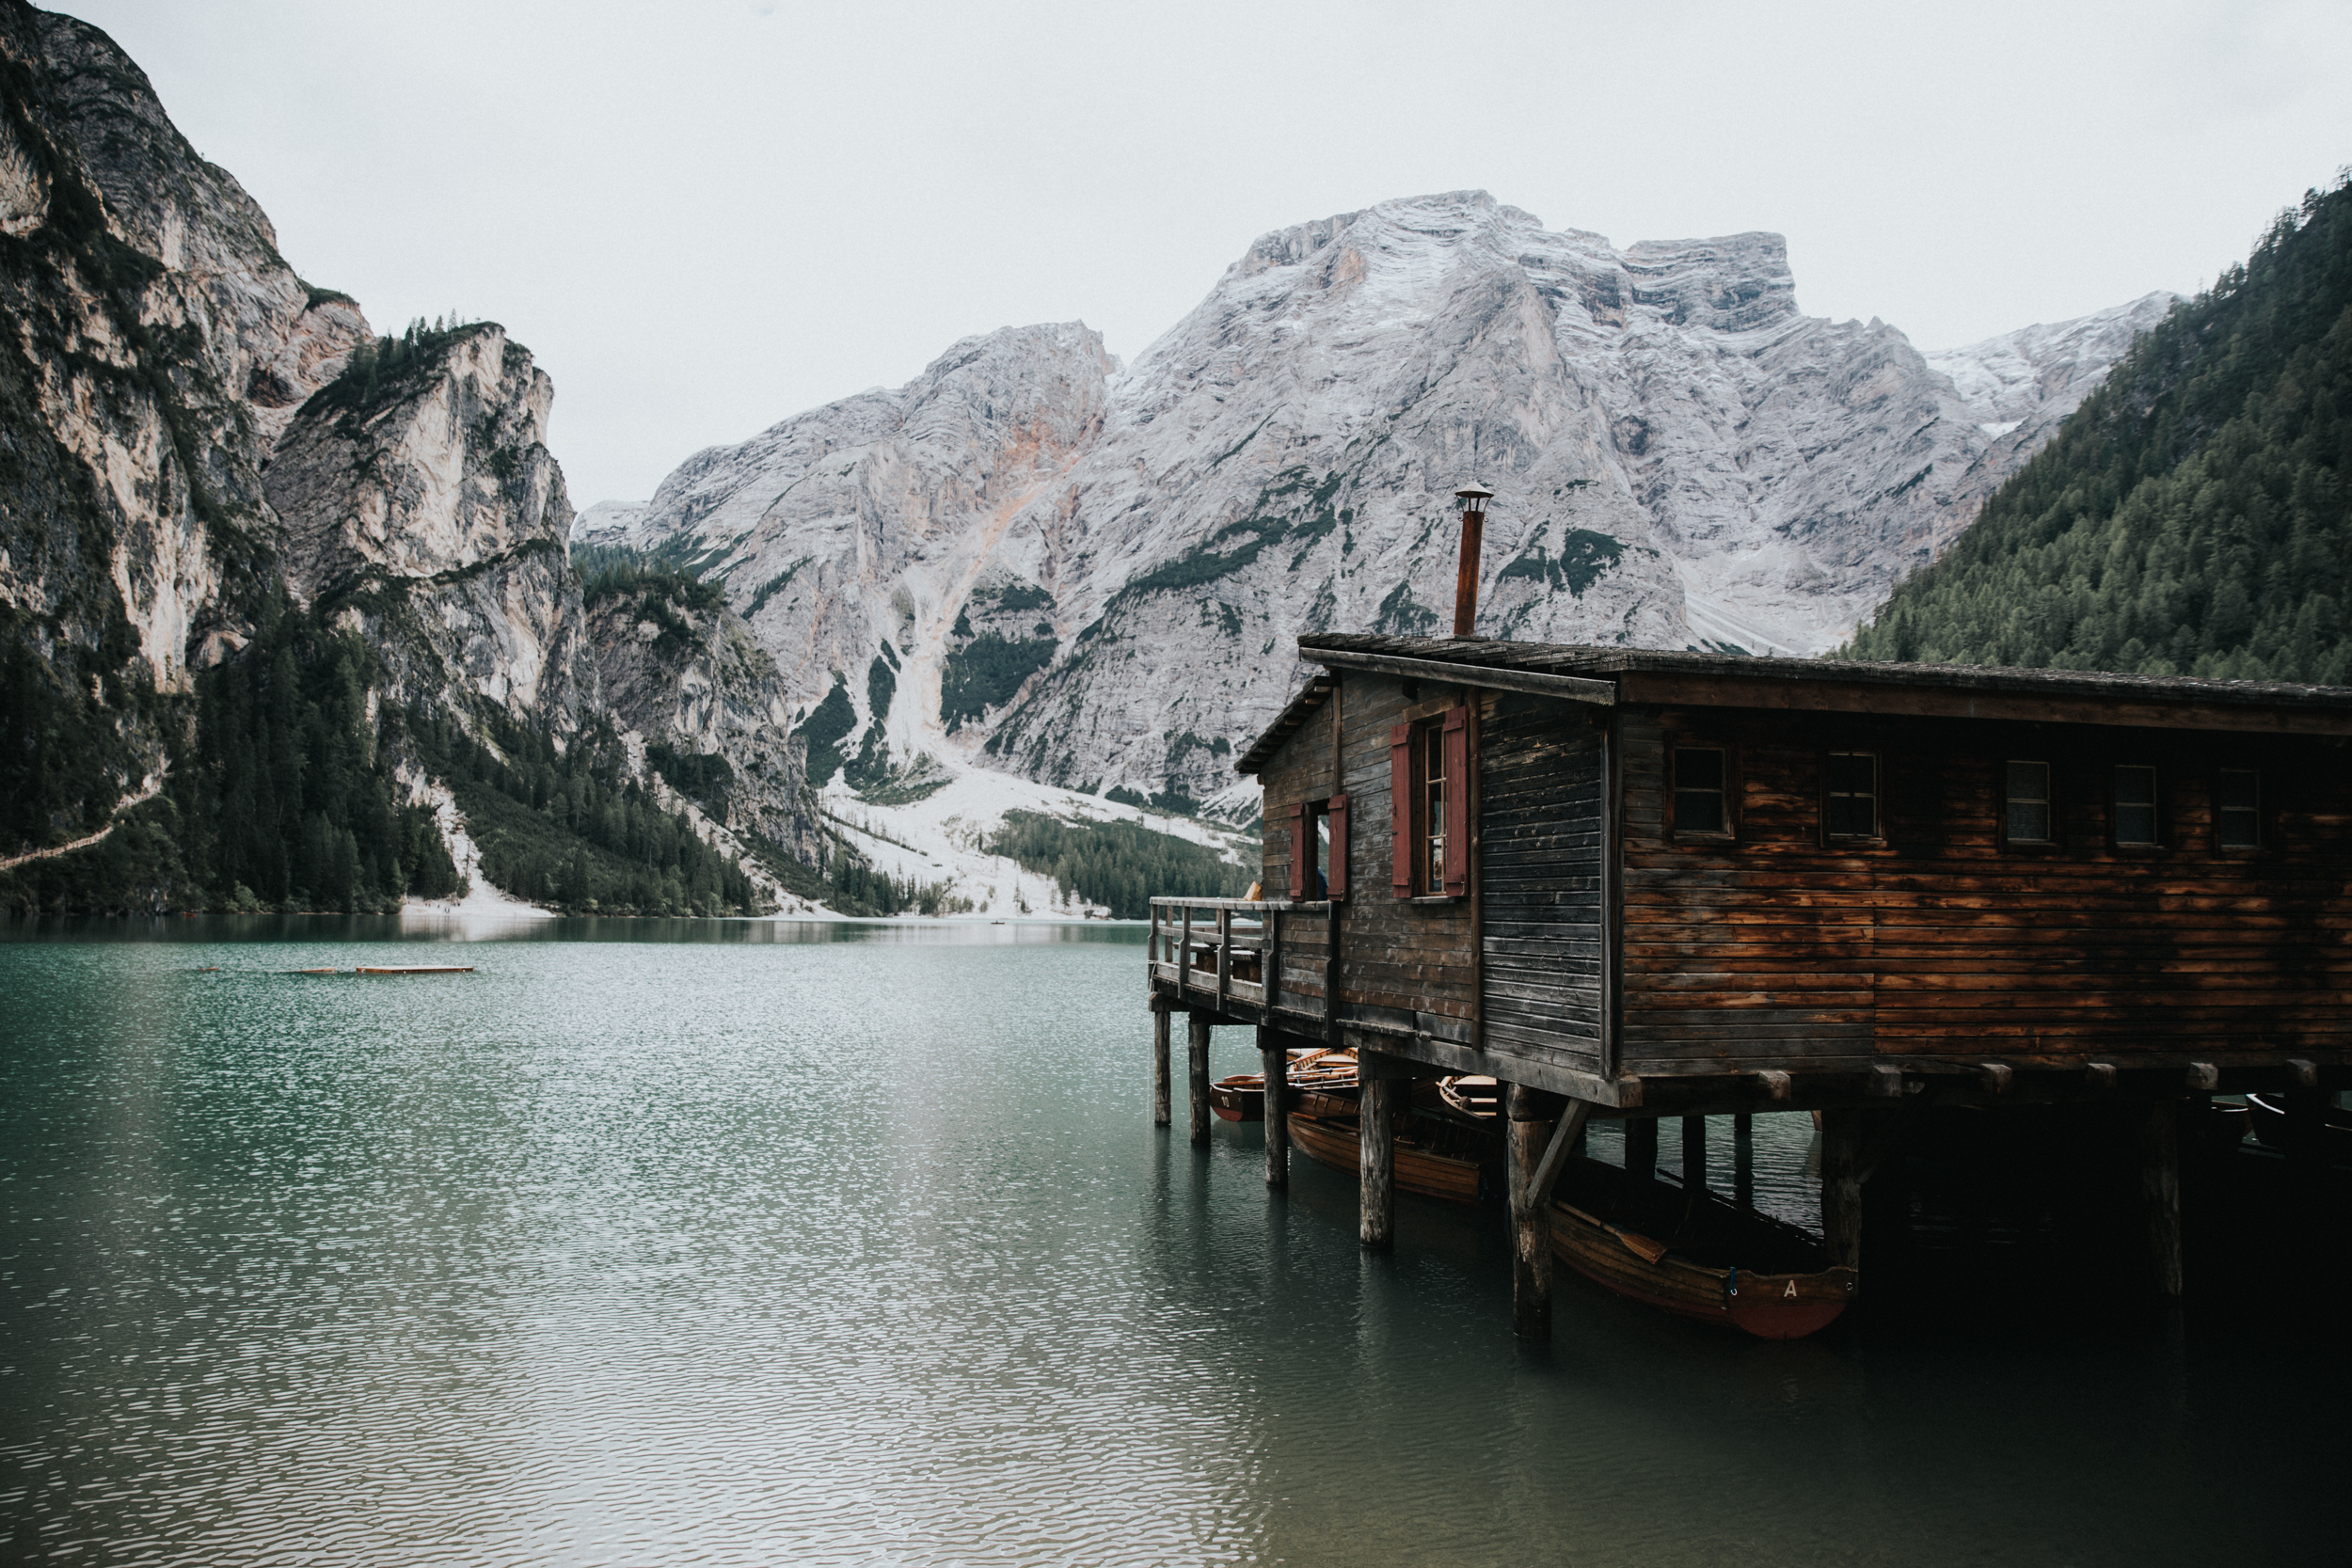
column 148, row 791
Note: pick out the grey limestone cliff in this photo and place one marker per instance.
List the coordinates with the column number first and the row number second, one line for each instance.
column 1681, row 458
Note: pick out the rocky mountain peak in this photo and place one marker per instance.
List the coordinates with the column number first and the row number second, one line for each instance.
column 1682, row 459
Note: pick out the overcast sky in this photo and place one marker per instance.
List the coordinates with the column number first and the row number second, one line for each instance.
column 704, row 216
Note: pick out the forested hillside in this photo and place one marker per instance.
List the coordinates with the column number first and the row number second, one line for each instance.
column 2190, row 518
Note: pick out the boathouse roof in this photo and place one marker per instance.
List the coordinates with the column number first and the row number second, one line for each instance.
column 1603, row 676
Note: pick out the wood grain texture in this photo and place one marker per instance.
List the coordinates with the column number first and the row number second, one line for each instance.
column 1774, row 946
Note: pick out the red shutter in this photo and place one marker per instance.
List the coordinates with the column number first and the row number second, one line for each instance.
column 1457, row 801
column 1401, row 805
column 1338, row 809
column 1302, row 852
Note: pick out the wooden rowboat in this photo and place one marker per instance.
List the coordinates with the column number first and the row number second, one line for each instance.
column 2267, row 1113
column 1428, row 1161
column 1695, row 1254
column 1242, row 1096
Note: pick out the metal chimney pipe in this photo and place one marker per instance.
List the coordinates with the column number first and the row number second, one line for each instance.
column 1470, row 501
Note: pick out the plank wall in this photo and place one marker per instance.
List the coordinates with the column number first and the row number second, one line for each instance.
column 1300, row 770
column 1540, row 884
column 1944, row 939
column 1402, row 961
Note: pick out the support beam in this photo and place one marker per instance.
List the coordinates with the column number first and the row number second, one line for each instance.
column 2307, row 1133
column 2156, row 1129
column 1842, row 1131
column 1276, row 1062
column 1693, row 1153
column 1197, row 1039
column 1159, row 1062
column 1529, row 1118
column 1641, row 1147
column 1744, row 1161
column 1381, row 1080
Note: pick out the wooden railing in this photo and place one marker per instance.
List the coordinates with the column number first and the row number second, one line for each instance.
column 1267, row 954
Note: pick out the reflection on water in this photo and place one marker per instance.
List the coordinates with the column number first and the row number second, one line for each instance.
column 746, row 1241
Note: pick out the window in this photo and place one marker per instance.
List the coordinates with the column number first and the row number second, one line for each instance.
column 1850, row 796
column 1429, row 870
column 2237, row 809
column 1319, row 848
column 2135, row 807
column 2031, row 820
column 1700, row 791
column 1428, row 780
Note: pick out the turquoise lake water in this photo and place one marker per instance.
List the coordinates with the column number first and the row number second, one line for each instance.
column 709, row 1242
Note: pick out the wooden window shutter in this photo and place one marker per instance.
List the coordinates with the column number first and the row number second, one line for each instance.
column 1400, row 806
column 1338, row 808
column 1457, row 801
column 1302, row 852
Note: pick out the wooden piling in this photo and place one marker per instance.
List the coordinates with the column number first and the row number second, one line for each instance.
column 1528, row 1119
column 1275, row 1061
column 2156, row 1126
column 1693, row 1153
column 1197, row 1039
column 1743, row 1160
column 1159, row 1062
column 1379, row 1081
column 2305, row 1150
column 1842, row 1131
column 1641, row 1146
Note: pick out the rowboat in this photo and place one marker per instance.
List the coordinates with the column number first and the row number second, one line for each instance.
column 1434, row 1159
column 1242, row 1096
column 2269, row 1115
column 1695, row 1254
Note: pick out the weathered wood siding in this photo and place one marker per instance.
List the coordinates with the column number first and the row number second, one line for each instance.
column 1402, row 961
column 1301, row 771
column 1942, row 938
column 1540, row 886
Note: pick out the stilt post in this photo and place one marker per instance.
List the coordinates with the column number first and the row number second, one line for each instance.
column 1197, row 1039
column 2307, row 1113
column 1842, row 1131
column 1381, row 1079
column 1743, row 1160
column 1693, row 1153
column 2156, row 1124
column 1529, row 1116
column 1641, row 1146
column 1276, row 1062
column 1159, row 1061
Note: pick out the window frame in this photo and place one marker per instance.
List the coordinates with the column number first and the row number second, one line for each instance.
column 1726, row 789
column 1431, row 853
column 1877, row 797
column 2261, row 838
column 1409, row 742
column 2116, row 806
column 2049, row 803
column 1305, row 814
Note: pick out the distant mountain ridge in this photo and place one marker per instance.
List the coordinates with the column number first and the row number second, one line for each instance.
column 1092, row 574
column 2194, row 515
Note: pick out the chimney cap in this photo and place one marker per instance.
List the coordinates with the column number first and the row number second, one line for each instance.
column 1471, row 494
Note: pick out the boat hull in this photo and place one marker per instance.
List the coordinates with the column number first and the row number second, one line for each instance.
column 1772, row 1302
column 1339, row 1145
column 1768, row 1306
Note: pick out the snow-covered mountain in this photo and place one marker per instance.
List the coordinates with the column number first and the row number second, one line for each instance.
column 1092, row 574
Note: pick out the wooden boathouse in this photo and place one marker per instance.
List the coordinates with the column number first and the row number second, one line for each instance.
column 1636, row 884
